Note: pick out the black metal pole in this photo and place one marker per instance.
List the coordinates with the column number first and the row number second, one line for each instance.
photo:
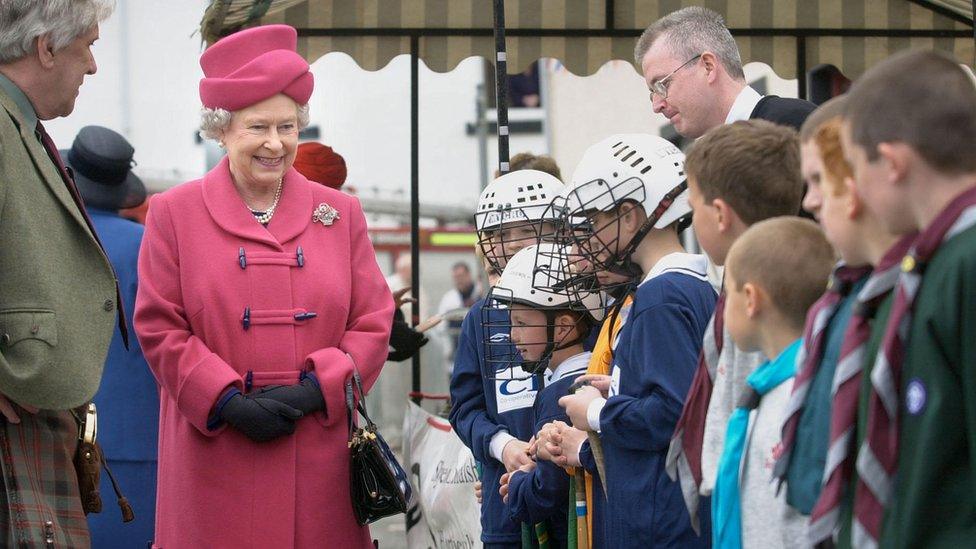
column 801, row 67
column 501, row 86
column 415, row 202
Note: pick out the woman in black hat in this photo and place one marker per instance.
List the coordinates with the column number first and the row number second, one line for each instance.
column 127, row 400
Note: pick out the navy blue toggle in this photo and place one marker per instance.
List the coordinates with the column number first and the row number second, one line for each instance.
column 305, row 316
column 300, row 256
column 246, row 321
column 240, row 257
column 248, row 381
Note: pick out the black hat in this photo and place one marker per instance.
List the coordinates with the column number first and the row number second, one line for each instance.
column 101, row 160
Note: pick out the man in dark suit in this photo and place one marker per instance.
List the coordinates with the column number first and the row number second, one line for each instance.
column 58, row 300
column 693, row 70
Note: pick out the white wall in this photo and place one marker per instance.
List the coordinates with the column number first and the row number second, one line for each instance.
column 146, row 86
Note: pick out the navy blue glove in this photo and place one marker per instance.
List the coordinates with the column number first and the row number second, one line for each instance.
column 259, row 419
column 306, row 396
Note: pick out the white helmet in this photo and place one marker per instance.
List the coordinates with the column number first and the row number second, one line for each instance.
column 541, row 277
column 519, row 196
column 535, row 276
column 640, row 167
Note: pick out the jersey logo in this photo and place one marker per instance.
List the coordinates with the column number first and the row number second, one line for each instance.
column 516, row 393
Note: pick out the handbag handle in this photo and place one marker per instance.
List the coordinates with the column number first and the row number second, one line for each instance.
column 354, row 384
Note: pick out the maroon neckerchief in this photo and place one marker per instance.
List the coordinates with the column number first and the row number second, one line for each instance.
column 825, row 516
column 841, row 283
column 877, row 458
column 685, row 451
column 69, row 182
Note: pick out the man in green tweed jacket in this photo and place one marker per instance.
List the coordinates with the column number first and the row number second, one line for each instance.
column 58, row 297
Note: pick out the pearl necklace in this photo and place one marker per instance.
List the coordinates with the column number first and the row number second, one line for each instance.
column 265, row 218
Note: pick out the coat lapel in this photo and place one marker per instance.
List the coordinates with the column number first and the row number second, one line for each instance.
column 45, row 166
column 228, row 210
column 295, row 208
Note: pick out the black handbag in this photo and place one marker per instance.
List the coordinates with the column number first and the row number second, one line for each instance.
column 378, row 484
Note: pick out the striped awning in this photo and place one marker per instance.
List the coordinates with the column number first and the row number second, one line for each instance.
column 585, row 34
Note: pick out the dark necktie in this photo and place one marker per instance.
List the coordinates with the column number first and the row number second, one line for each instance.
column 69, row 182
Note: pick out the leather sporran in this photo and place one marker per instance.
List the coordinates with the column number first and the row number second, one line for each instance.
column 378, row 484
column 89, row 461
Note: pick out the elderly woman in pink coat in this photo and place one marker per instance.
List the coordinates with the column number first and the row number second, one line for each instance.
column 259, row 294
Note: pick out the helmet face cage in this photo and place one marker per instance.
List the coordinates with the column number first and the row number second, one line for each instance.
column 500, row 241
column 596, row 240
column 563, row 269
column 501, row 353
column 512, row 214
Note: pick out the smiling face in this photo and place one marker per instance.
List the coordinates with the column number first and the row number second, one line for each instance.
column 687, row 106
column 261, row 141
column 68, row 68
column 500, row 244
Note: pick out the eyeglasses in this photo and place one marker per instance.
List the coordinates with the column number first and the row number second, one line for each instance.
column 660, row 86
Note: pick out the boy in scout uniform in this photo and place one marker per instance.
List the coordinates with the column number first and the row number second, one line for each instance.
column 910, row 123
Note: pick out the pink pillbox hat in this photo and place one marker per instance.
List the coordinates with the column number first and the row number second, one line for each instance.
column 252, row 65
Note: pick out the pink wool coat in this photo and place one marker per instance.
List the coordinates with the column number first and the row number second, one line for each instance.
column 204, row 261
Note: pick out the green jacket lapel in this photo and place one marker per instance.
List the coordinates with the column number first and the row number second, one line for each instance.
column 46, row 168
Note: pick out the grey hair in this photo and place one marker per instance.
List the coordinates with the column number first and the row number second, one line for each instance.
column 23, row 21
column 214, row 121
column 692, row 31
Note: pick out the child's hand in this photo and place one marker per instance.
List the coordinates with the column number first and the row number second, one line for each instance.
column 540, row 442
column 542, row 439
column 514, row 455
column 503, row 486
column 477, row 491
column 563, row 444
column 601, row 382
column 577, row 404
column 507, row 477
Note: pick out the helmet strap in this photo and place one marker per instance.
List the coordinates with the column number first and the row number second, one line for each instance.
column 622, row 259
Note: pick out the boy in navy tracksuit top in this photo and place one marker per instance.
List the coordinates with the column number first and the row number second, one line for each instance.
column 549, row 325
column 492, row 410
column 632, row 189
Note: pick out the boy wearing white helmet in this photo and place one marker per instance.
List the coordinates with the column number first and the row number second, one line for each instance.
column 632, row 189
column 548, row 326
column 492, row 408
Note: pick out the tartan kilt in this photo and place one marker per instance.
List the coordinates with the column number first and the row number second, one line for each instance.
column 40, row 505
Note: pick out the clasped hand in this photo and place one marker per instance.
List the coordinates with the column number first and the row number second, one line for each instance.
column 561, row 443
column 272, row 412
